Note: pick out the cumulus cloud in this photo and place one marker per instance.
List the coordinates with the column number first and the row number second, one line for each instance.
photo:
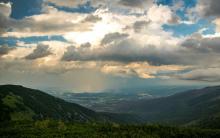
column 162, row 14
column 85, row 45
column 39, row 52
column 92, row 18
column 208, row 8
column 202, row 44
column 5, row 50
column 217, row 22
column 5, row 11
column 112, row 37
column 125, row 51
column 51, row 22
column 138, row 26
column 203, row 50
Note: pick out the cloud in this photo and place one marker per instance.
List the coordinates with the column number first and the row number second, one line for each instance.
column 61, row 77
column 112, row 37
column 5, row 50
column 124, row 51
column 67, row 3
column 206, row 74
column 132, row 3
column 217, row 22
column 203, row 50
column 202, row 44
column 204, row 9
column 92, row 18
column 85, row 45
column 123, row 38
column 50, row 22
column 5, row 11
column 138, row 26
column 138, row 69
column 209, row 8
column 162, row 14
column 39, row 52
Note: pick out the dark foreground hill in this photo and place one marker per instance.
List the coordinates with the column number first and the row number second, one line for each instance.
column 20, row 103
column 201, row 106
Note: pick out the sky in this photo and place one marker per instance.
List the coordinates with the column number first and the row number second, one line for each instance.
column 95, row 45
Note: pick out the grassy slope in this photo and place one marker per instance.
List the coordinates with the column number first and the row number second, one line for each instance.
column 58, row 129
column 20, row 103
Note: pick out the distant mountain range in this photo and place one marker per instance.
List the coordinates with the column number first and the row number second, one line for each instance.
column 199, row 107
column 194, row 107
column 106, row 101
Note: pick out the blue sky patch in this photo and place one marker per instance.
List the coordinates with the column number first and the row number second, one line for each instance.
column 85, row 8
column 188, row 29
column 23, row 8
column 11, row 41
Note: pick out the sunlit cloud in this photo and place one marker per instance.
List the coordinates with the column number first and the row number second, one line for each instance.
column 110, row 40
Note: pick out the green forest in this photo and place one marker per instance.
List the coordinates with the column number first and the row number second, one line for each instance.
column 59, row 129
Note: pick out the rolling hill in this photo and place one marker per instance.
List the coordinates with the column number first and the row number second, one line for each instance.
column 20, row 103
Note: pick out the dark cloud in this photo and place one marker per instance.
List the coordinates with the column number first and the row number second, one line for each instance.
column 5, row 50
column 72, row 54
column 133, row 3
column 112, row 37
column 203, row 45
column 66, row 3
column 39, row 52
column 92, row 18
column 139, row 25
column 3, row 24
column 4, row 1
column 204, row 74
column 212, row 8
column 128, row 50
column 85, row 45
column 124, row 51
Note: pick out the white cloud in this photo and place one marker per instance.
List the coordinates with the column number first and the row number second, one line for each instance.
column 217, row 22
column 162, row 14
column 5, row 9
column 51, row 22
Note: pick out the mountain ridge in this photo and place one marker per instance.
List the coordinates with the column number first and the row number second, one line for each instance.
column 181, row 108
column 20, row 101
